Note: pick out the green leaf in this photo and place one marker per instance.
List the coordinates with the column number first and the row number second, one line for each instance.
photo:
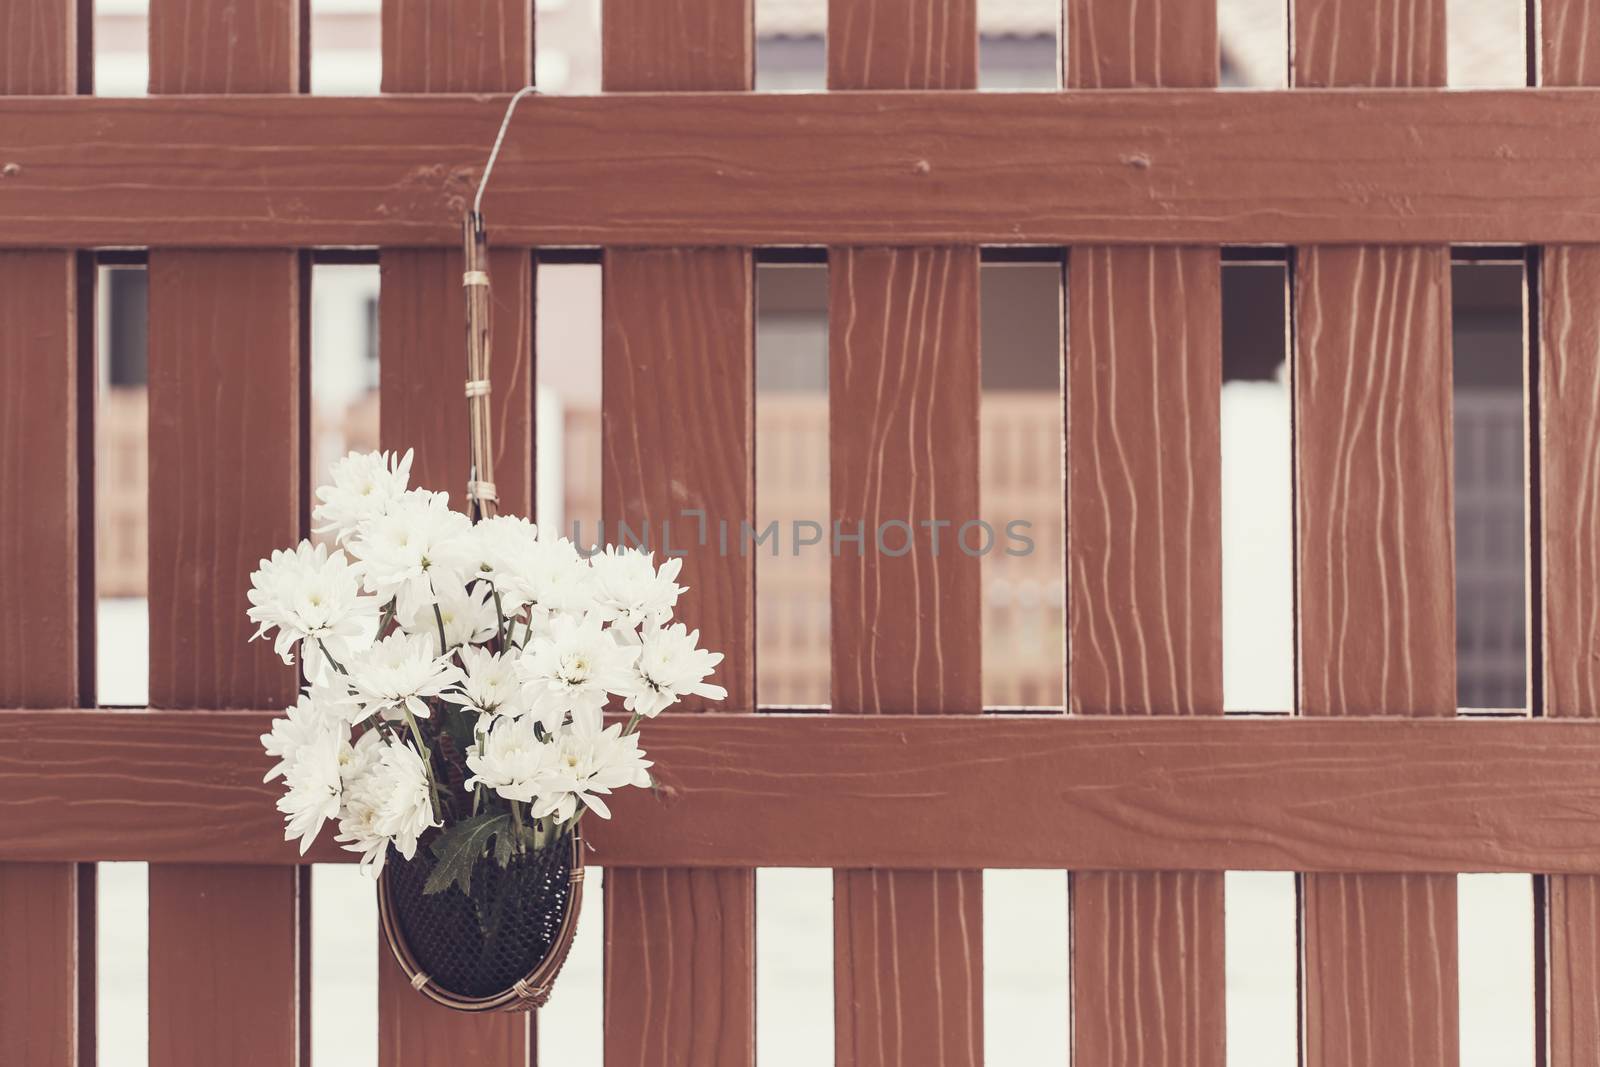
column 505, row 845
column 459, row 848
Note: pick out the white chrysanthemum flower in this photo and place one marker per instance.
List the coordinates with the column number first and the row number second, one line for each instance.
column 670, row 668
column 305, row 721
column 363, row 796
column 405, row 806
column 631, row 591
column 416, row 546
column 468, row 616
column 591, row 761
column 529, row 567
column 511, row 759
column 400, row 673
column 314, row 787
column 492, row 686
column 574, row 668
column 310, row 595
column 501, row 550
column 364, row 485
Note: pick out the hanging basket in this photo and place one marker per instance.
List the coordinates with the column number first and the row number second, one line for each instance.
column 498, row 949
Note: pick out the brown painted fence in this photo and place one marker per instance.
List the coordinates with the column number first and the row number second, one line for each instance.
column 678, row 172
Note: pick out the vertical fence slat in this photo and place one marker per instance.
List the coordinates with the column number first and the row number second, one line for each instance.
column 678, row 433
column 225, row 481
column 1375, row 555
column 421, row 310
column 1569, row 499
column 224, row 491
column 40, row 569
column 481, row 46
column 1144, row 557
column 678, row 338
column 903, row 356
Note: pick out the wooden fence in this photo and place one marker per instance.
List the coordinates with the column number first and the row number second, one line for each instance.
column 230, row 173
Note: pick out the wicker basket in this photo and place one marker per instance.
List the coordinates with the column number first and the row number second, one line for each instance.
column 439, row 940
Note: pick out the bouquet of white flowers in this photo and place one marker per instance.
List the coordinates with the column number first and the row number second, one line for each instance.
column 456, row 675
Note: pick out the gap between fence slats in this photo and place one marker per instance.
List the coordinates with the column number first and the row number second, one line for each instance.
column 678, row 435
column 1375, row 556
column 903, row 440
column 485, row 46
column 1144, row 531
column 1568, row 452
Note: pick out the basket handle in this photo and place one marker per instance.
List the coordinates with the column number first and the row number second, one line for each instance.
column 482, row 499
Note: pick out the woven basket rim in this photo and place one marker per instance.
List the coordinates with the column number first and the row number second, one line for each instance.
column 525, row 995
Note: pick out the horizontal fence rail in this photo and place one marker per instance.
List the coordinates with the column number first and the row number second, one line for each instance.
column 953, row 792
column 903, row 168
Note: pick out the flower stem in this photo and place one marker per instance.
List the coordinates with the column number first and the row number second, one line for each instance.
column 500, row 631
column 438, row 617
column 516, row 820
column 427, row 761
column 336, row 664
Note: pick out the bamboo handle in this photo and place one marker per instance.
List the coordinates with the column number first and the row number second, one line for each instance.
column 481, row 497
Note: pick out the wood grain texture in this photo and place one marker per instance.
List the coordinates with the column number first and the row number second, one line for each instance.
column 903, row 442
column 474, row 46
column 38, row 47
column 39, row 627
column 39, row 479
column 1391, row 43
column 1144, row 557
column 902, row 44
column 224, row 491
column 465, row 46
column 665, row 46
column 1144, row 481
column 1373, row 433
column 224, row 468
column 908, row 966
column 424, row 370
column 678, row 343
column 1203, row 793
column 1569, row 43
column 414, row 1030
column 1572, row 986
column 224, row 46
column 1376, row 608
column 678, row 437
column 1375, row 554
column 218, row 939
column 1569, row 526
column 42, row 939
column 680, row 965
column 1159, row 166
column 903, row 390
column 225, row 485
column 678, row 433
column 1166, row 45
column 903, row 395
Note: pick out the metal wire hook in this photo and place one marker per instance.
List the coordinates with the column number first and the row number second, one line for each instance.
column 499, row 139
